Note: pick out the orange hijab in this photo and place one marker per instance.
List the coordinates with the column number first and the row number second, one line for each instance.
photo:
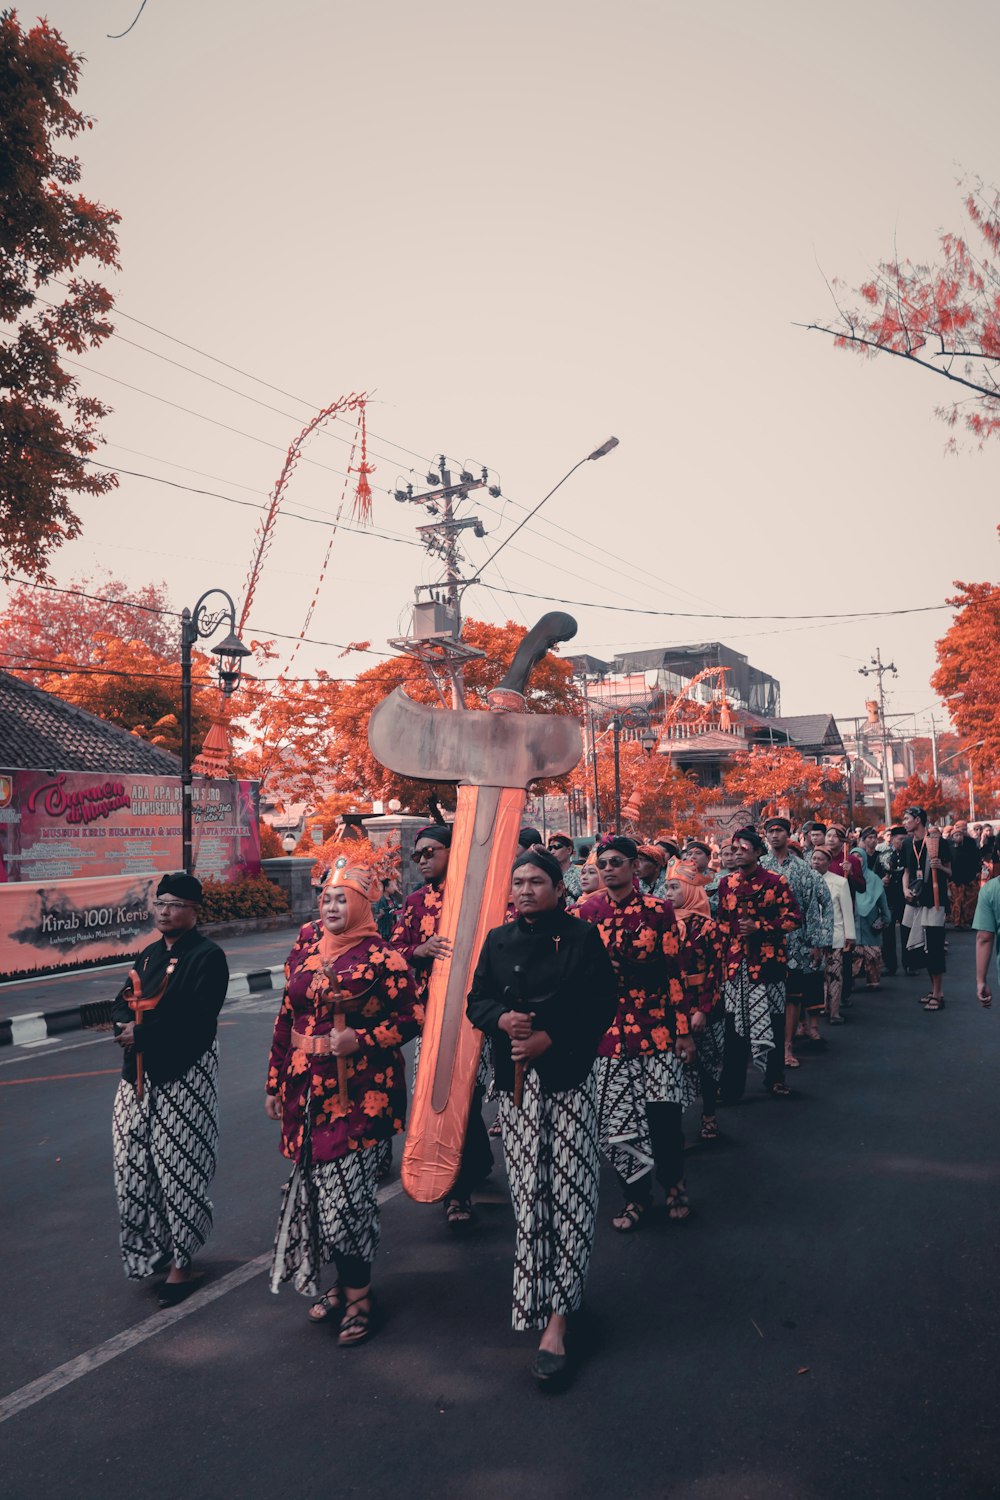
column 357, row 883
column 693, row 902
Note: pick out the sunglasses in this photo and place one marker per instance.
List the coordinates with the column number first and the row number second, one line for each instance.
column 421, row 854
column 611, row 864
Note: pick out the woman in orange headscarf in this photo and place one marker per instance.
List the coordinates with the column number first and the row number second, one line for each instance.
column 701, row 966
column 337, row 1084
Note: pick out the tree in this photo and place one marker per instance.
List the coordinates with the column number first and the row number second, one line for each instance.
column 943, row 317
column 768, row 778
column 39, row 624
column 654, row 794
column 921, row 791
column 47, row 229
column 967, row 678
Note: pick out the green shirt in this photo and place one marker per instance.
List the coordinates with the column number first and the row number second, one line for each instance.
column 987, row 918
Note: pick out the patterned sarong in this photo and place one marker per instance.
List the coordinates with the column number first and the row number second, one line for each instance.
column 165, row 1148
column 625, row 1085
column 751, row 1003
column 553, row 1167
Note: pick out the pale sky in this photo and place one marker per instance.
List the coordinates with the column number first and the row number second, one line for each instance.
column 527, row 227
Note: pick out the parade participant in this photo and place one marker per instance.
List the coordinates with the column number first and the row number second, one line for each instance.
column 416, row 936
column 889, row 868
column 725, row 864
column 966, row 869
column 544, row 992
column 165, row 1124
column 986, row 924
column 530, row 838
column 843, row 935
column 806, row 944
column 645, row 1077
column 561, row 845
column 842, row 862
column 590, row 876
column 756, row 912
column 670, row 846
column 926, row 870
column 701, row 967
column 872, row 916
column 699, row 855
column 650, row 866
column 814, row 835
column 337, row 1084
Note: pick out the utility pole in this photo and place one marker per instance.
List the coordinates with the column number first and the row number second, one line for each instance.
column 934, row 760
column 878, row 668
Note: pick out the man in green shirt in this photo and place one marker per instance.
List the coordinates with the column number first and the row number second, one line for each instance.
column 986, row 923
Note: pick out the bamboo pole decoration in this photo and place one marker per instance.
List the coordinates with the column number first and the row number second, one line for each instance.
column 933, row 851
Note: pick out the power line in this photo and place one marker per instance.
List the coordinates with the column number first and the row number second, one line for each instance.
column 678, row 614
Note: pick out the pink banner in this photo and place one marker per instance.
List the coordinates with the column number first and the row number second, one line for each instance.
column 73, row 924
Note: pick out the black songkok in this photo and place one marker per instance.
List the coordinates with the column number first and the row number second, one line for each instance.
column 440, row 833
column 866, row 831
column 621, row 845
column 917, row 812
column 184, row 887
column 542, row 860
column 529, row 836
column 749, row 836
column 697, row 844
column 778, row 823
column 896, row 828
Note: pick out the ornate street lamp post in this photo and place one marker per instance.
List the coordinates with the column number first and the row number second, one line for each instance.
column 198, row 624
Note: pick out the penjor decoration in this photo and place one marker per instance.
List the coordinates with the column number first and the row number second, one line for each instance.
column 493, row 756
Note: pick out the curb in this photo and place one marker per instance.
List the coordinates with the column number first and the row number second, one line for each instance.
column 41, row 1026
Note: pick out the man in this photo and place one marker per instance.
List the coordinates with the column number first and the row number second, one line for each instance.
column 544, row 992
column 561, row 845
column 986, row 924
column 645, row 1072
column 888, row 867
column 166, row 1113
column 841, row 861
column 808, row 943
column 650, row 867
column 756, row 912
column 925, row 887
column 814, row 835
column 416, row 936
column 835, row 961
column 966, row 867
column 699, row 855
column 530, row 838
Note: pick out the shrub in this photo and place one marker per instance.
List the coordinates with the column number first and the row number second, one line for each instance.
column 270, row 843
column 231, row 900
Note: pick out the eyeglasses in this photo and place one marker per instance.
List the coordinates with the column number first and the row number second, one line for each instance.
column 611, row 864
column 172, row 905
column 420, row 854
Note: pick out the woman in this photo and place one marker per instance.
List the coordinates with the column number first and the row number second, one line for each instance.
column 590, row 876
column 872, row 915
column 701, row 967
column 337, row 1084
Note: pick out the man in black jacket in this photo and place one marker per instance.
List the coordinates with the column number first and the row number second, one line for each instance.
column 166, row 1108
column 545, row 992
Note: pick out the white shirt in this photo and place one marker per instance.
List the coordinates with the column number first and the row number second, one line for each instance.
column 843, row 909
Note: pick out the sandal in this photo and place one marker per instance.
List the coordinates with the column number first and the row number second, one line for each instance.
column 495, row 1129
column 709, row 1128
column 780, row 1091
column 630, row 1218
column 458, row 1212
column 356, row 1327
column 329, row 1306
column 791, row 1061
column 934, row 1002
column 814, row 1034
column 678, row 1204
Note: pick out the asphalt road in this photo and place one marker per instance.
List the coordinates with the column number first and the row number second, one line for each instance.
column 826, row 1326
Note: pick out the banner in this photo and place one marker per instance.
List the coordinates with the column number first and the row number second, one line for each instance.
column 73, row 924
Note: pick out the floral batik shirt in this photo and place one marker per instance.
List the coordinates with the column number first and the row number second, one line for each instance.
column 418, row 921
column 812, row 896
column 701, row 963
column 644, row 944
column 766, row 899
column 384, row 1012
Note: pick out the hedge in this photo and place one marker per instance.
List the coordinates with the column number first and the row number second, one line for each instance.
column 229, row 900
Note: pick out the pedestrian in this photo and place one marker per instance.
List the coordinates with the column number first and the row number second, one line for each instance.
column 807, row 943
column 756, row 912
column 651, row 867
column 926, row 869
column 645, row 1072
column 544, row 992
column 417, row 938
column 889, row 867
column 562, row 846
column 966, row 869
column 337, row 1084
column 590, row 876
column 844, row 933
column 814, row 834
column 701, row 968
column 986, row 923
column 166, row 1112
column 872, row 916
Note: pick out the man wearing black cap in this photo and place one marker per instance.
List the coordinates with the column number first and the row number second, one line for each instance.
column 544, row 991
column 166, row 1108
column 926, row 871
column 561, row 845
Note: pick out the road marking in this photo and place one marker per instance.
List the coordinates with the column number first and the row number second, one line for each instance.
column 11, row 1083
column 8, row 1062
column 121, row 1343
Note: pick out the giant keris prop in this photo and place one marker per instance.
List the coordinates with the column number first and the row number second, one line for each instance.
column 492, row 756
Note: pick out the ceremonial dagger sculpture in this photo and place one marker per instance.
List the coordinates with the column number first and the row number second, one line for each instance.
column 492, row 756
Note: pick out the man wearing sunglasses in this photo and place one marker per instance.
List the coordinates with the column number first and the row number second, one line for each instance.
column 416, row 936
column 645, row 1062
column 166, row 1113
column 561, row 845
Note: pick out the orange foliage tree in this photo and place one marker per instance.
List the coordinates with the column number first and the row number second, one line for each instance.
column 921, row 791
column 943, row 317
column 39, row 625
column 968, row 680
column 654, row 794
column 772, row 778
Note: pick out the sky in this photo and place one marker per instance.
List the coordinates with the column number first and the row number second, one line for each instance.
column 525, row 228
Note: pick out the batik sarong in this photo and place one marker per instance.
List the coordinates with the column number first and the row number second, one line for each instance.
column 710, row 1043
column 326, row 1206
column 553, row 1167
column 751, row 1003
column 165, row 1148
column 625, row 1085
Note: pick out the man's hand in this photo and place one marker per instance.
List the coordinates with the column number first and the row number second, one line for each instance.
column 747, row 925
column 848, row 945
column 685, row 1049
column 698, row 1020
column 344, row 1043
column 126, row 1037
column 435, row 947
column 517, row 1024
column 527, row 1049
column 984, row 994
column 816, row 954
column 272, row 1106
column 935, row 864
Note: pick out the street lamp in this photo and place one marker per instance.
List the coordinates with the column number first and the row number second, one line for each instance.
column 198, row 624
column 631, row 718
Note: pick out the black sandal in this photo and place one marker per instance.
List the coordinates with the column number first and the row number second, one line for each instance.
column 630, row 1218
column 328, row 1307
column 780, row 1091
column 709, row 1128
column 678, row 1204
column 458, row 1212
column 356, row 1326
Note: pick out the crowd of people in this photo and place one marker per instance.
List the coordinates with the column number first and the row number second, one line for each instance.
column 631, row 980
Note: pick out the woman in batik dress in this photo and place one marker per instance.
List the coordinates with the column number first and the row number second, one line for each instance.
column 336, row 1082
